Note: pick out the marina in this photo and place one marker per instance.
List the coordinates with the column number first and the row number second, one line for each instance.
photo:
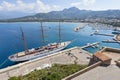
column 59, row 40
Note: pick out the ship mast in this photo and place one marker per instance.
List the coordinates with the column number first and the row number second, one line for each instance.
column 24, row 42
column 42, row 33
column 59, row 33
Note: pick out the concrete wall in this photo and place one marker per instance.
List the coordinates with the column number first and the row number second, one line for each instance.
column 82, row 71
column 106, row 63
column 110, row 49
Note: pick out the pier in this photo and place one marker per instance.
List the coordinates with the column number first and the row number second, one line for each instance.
column 91, row 45
column 104, row 34
column 110, row 41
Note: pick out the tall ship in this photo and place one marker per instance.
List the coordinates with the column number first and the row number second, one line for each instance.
column 30, row 54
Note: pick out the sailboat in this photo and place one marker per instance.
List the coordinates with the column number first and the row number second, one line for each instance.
column 30, row 54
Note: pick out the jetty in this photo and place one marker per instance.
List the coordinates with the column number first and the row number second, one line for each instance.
column 96, row 44
column 104, row 34
column 110, row 41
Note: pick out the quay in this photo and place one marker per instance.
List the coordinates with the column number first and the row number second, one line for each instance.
column 91, row 45
column 68, row 56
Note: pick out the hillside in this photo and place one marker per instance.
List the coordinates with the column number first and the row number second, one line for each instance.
column 71, row 13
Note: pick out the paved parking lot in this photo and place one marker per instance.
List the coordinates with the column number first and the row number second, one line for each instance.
column 111, row 72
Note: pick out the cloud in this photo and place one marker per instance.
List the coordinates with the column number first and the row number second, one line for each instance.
column 33, row 7
column 83, row 2
column 6, row 5
column 76, row 4
column 88, row 2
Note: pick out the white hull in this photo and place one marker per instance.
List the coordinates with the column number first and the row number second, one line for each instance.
column 38, row 54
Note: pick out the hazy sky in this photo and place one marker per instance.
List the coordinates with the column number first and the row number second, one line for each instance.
column 35, row 6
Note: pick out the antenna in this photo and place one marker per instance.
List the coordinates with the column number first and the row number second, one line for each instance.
column 24, row 42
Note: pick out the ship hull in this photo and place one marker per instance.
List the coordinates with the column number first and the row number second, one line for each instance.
column 38, row 55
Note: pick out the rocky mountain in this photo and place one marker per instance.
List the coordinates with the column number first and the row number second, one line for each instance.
column 72, row 13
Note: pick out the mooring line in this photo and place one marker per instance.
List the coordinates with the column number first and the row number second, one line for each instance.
column 3, row 62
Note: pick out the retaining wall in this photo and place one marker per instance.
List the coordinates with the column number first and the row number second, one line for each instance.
column 82, row 71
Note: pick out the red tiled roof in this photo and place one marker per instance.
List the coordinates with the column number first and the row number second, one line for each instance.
column 101, row 56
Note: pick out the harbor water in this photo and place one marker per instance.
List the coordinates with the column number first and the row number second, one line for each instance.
column 11, row 40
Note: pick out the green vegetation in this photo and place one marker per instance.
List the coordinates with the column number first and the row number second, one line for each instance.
column 56, row 72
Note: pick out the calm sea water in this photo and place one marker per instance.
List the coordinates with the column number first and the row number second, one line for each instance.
column 11, row 42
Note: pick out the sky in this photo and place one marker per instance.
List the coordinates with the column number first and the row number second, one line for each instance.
column 44, row 6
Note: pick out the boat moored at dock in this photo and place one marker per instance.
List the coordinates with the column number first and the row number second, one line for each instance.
column 39, row 52
column 29, row 54
column 117, row 37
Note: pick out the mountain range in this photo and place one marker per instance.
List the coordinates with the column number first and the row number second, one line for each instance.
column 72, row 13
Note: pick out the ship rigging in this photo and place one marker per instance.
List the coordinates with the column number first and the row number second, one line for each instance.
column 29, row 54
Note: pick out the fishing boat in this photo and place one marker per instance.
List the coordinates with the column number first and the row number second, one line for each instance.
column 96, row 32
column 76, row 29
column 117, row 37
column 30, row 54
